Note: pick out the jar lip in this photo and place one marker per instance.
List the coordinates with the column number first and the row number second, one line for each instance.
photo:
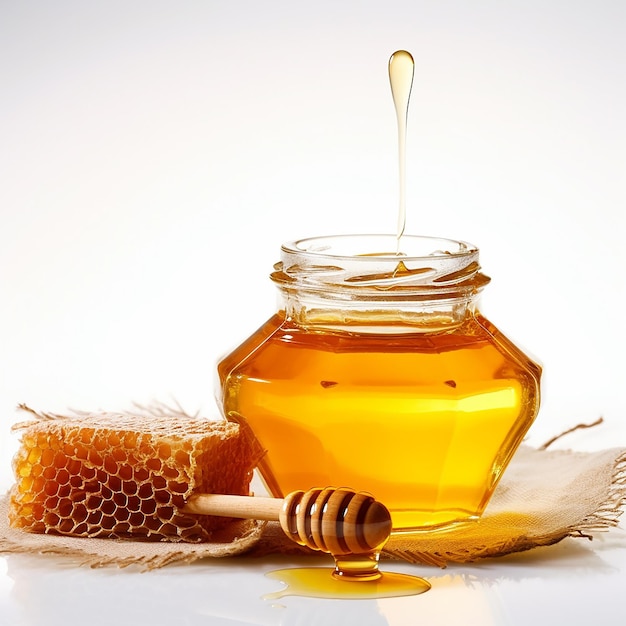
column 368, row 265
column 368, row 248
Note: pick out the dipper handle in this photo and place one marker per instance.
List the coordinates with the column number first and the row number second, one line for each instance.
column 242, row 507
column 338, row 521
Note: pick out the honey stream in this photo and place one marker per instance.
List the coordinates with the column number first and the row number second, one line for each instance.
column 401, row 67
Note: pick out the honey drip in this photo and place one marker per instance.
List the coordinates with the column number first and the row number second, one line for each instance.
column 401, row 67
column 353, row 527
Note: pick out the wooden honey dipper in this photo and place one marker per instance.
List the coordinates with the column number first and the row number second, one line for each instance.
column 338, row 521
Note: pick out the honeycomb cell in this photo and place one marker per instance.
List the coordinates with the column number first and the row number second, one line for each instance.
column 110, row 465
column 38, row 484
column 119, row 454
column 169, row 530
column 95, row 458
column 162, row 496
column 65, row 507
column 65, row 491
column 141, row 475
column 146, row 492
column 136, row 519
column 94, row 518
column 166, row 512
column 109, row 507
column 159, row 482
column 65, row 526
column 80, row 451
column 129, row 487
column 120, row 499
column 60, row 460
column 148, row 507
column 124, row 476
column 152, row 523
column 52, row 503
column 176, row 487
column 153, row 464
column 185, row 522
column 170, row 471
column 86, row 435
column 80, row 513
column 52, row 519
column 93, row 503
column 182, row 458
column 134, row 504
column 125, row 472
column 34, row 456
column 47, row 457
column 122, row 515
column 38, row 512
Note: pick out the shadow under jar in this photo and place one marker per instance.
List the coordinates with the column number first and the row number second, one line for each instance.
column 379, row 373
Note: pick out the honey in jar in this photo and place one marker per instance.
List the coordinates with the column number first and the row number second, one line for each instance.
column 378, row 372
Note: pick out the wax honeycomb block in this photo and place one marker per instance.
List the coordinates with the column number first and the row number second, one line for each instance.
column 125, row 475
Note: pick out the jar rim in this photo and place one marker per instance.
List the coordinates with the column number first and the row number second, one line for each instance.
column 369, row 265
column 373, row 247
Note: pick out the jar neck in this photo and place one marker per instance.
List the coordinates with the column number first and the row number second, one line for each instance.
column 345, row 283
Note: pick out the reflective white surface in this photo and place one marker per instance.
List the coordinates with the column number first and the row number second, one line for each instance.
column 156, row 154
column 575, row 582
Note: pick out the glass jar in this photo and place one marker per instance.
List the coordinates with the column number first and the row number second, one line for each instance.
column 378, row 372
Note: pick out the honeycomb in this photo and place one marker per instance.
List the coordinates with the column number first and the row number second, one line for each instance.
column 125, row 475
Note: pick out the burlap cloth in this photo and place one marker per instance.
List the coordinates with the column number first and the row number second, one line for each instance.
column 543, row 497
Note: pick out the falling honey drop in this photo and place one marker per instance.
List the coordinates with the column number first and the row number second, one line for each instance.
column 319, row 582
column 401, row 67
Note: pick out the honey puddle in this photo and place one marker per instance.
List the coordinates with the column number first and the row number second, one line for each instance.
column 319, row 582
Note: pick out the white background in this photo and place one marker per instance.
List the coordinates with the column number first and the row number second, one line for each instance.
column 154, row 155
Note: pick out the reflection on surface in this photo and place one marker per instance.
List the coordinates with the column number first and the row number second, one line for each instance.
column 455, row 602
column 8, row 614
column 515, row 590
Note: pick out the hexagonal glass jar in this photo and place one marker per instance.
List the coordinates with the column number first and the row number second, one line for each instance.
column 378, row 372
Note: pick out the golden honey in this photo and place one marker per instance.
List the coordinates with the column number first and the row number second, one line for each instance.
column 380, row 374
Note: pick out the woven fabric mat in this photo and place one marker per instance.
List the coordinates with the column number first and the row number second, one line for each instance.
column 543, row 497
